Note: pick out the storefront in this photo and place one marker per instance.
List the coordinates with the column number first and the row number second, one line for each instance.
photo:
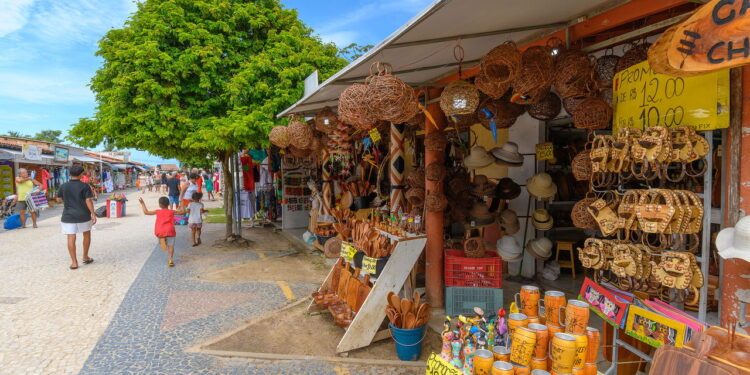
column 531, row 144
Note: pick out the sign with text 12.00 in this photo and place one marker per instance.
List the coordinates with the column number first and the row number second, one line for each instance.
column 642, row 98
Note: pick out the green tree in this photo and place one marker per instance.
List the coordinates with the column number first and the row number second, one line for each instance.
column 52, row 136
column 354, row 51
column 17, row 134
column 198, row 80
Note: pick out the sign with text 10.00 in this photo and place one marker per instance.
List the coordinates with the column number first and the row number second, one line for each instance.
column 642, row 98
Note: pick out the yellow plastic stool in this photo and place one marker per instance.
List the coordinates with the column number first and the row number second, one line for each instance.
column 566, row 246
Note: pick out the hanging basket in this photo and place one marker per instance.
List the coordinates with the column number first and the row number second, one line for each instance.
column 464, row 122
column 503, row 112
column 605, row 70
column 474, row 247
column 298, row 152
column 435, row 172
column 389, row 98
column 535, row 77
column 572, row 67
column 415, row 196
column 581, row 216
column 300, row 134
column 502, row 64
column 636, row 54
column 435, row 202
column 581, row 166
column 459, row 98
column 326, row 121
column 547, row 109
column 571, row 104
column 606, row 95
column 493, row 89
column 279, row 137
column 415, row 179
column 435, row 141
column 592, row 113
column 354, row 108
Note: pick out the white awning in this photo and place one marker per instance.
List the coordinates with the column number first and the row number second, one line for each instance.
column 421, row 51
column 85, row 159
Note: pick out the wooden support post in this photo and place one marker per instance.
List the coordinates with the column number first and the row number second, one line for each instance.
column 397, row 167
column 327, row 189
column 434, row 220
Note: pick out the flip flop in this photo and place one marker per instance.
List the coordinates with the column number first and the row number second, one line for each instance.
column 171, row 264
column 73, row 268
column 91, row 260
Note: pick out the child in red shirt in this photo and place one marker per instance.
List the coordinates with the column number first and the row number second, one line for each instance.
column 164, row 225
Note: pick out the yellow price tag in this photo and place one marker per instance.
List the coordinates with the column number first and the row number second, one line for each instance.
column 545, row 151
column 347, row 251
column 642, row 98
column 374, row 134
column 369, row 265
column 436, row 365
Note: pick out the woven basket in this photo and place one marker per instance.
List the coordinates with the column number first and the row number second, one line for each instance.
column 571, row 104
column 547, row 109
column 605, row 69
column 464, row 122
column 535, row 75
column 415, row 196
column 389, row 97
column 354, row 108
column 435, row 141
column 332, row 248
column 493, row 89
column 300, row 134
column 502, row 64
column 634, row 55
column 435, row 172
column 505, row 113
column 435, row 202
column 415, row 179
column 570, row 66
column 606, row 94
column 474, row 247
column 592, row 113
column 279, row 137
column 326, row 121
column 459, row 98
column 581, row 166
column 298, row 152
column 581, row 216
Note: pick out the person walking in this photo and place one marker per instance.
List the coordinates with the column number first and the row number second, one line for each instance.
column 209, row 186
column 164, row 225
column 199, row 179
column 24, row 186
column 195, row 217
column 78, row 214
column 173, row 191
column 187, row 190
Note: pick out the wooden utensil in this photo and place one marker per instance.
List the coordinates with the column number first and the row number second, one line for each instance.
column 409, row 321
column 394, row 301
column 416, row 303
column 364, row 291
column 405, row 306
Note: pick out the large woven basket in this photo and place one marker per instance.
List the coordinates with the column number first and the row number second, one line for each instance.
column 503, row 112
column 636, row 54
column 326, row 121
column 435, row 141
column 435, row 172
column 474, row 247
column 435, row 202
column 502, row 64
column 298, row 152
column 415, row 196
column 354, row 108
column 581, row 216
column 592, row 113
column 581, row 166
column 300, row 134
column 571, row 67
column 389, row 97
column 535, row 76
column 279, row 137
column 464, row 122
column 571, row 104
column 604, row 69
column 415, row 179
column 459, row 98
column 547, row 109
column 491, row 88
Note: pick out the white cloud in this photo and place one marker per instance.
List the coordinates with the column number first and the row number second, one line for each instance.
column 77, row 21
column 340, row 38
column 13, row 15
column 50, row 87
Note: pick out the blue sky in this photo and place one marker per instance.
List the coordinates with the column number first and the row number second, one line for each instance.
column 47, row 50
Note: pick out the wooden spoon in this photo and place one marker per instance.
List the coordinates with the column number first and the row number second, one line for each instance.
column 410, row 320
column 394, row 301
column 405, row 306
column 416, row 302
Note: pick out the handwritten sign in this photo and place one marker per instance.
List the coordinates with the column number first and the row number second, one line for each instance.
column 374, row 134
column 545, row 151
column 370, row 265
column 31, row 152
column 643, row 98
column 436, row 365
column 347, row 251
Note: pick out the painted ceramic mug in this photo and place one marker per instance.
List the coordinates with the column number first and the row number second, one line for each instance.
column 501, row 353
column 590, row 369
column 483, row 360
column 576, row 315
column 553, row 301
column 516, row 320
column 540, row 372
column 542, row 340
column 522, row 370
column 538, row 364
column 529, row 300
column 582, row 343
column 563, row 353
column 524, row 340
column 592, row 352
column 502, row 368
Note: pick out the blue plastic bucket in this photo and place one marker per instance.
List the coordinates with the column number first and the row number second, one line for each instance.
column 408, row 342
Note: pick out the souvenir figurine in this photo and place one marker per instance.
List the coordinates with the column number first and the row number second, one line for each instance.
column 491, row 333
column 456, row 346
column 447, row 338
column 502, row 329
column 469, row 352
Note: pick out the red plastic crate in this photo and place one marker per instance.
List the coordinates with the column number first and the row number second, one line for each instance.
column 473, row 272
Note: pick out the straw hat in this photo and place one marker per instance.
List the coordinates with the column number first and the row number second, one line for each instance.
column 480, row 215
column 508, row 152
column 541, row 219
column 541, row 186
column 507, row 189
column 509, row 249
column 508, row 221
column 504, row 163
column 735, row 242
column 482, row 186
column 478, row 158
column 540, row 248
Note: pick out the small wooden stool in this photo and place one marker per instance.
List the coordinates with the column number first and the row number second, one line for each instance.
column 566, row 246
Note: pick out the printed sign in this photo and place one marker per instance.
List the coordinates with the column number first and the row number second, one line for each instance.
column 31, row 152
column 436, row 365
column 545, row 151
column 347, row 251
column 369, row 265
column 374, row 135
column 654, row 329
column 602, row 302
column 643, row 98
column 61, row 154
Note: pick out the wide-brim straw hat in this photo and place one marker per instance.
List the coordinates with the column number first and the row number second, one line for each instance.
column 509, row 249
column 508, row 222
column 540, row 248
column 541, row 219
column 482, row 186
column 478, row 158
column 504, row 163
column 541, row 186
column 508, row 152
column 735, row 242
column 480, row 215
column 507, row 189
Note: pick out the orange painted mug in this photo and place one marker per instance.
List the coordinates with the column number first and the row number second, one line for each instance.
column 502, row 368
column 553, row 301
column 563, row 353
column 522, row 347
column 542, row 340
column 501, row 353
column 592, row 352
column 538, row 364
column 582, row 342
column 516, row 320
column 522, row 370
column 576, row 317
column 529, row 301
column 483, row 360
column 590, row 369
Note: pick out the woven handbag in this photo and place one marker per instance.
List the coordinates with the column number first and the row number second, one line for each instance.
column 592, row 113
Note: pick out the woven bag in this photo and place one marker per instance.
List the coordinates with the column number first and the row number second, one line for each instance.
column 636, row 54
column 605, row 69
column 474, row 247
column 547, row 109
column 300, row 134
column 435, row 172
column 592, row 113
column 535, row 76
column 326, row 121
column 581, row 216
column 354, row 108
column 502, row 63
column 503, row 112
column 572, row 67
column 581, row 166
column 279, row 137
column 435, row 141
column 435, row 201
column 459, row 98
column 493, row 89
column 389, row 98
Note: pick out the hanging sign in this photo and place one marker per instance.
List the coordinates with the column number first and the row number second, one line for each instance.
column 643, row 98
column 347, row 251
column 545, row 151
column 374, row 135
column 436, row 365
column 714, row 37
column 61, row 154
column 31, row 152
column 369, row 265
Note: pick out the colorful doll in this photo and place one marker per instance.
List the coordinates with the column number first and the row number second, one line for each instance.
column 447, row 338
column 456, row 346
column 469, row 352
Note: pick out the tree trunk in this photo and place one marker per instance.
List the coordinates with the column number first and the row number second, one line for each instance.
column 228, row 191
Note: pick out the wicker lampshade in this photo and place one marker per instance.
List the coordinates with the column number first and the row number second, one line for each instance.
column 326, row 121
column 459, row 98
column 354, row 108
column 491, row 88
column 572, row 69
column 535, row 76
column 390, row 98
column 502, row 63
column 300, row 134
column 278, row 136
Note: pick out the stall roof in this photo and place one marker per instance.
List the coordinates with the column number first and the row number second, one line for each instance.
column 86, row 159
column 422, row 49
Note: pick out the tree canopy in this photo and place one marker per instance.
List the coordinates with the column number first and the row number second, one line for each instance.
column 52, row 136
column 354, row 51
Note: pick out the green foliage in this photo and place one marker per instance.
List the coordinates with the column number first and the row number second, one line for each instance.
column 194, row 79
column 17, row 134
column 52, row 136
column 354, row 51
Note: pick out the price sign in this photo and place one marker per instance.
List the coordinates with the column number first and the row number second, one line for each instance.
column 642, row 98
column 374, row 134
column 369, row 265
column 347, row 251
column 436, row 365
column 545, row 151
